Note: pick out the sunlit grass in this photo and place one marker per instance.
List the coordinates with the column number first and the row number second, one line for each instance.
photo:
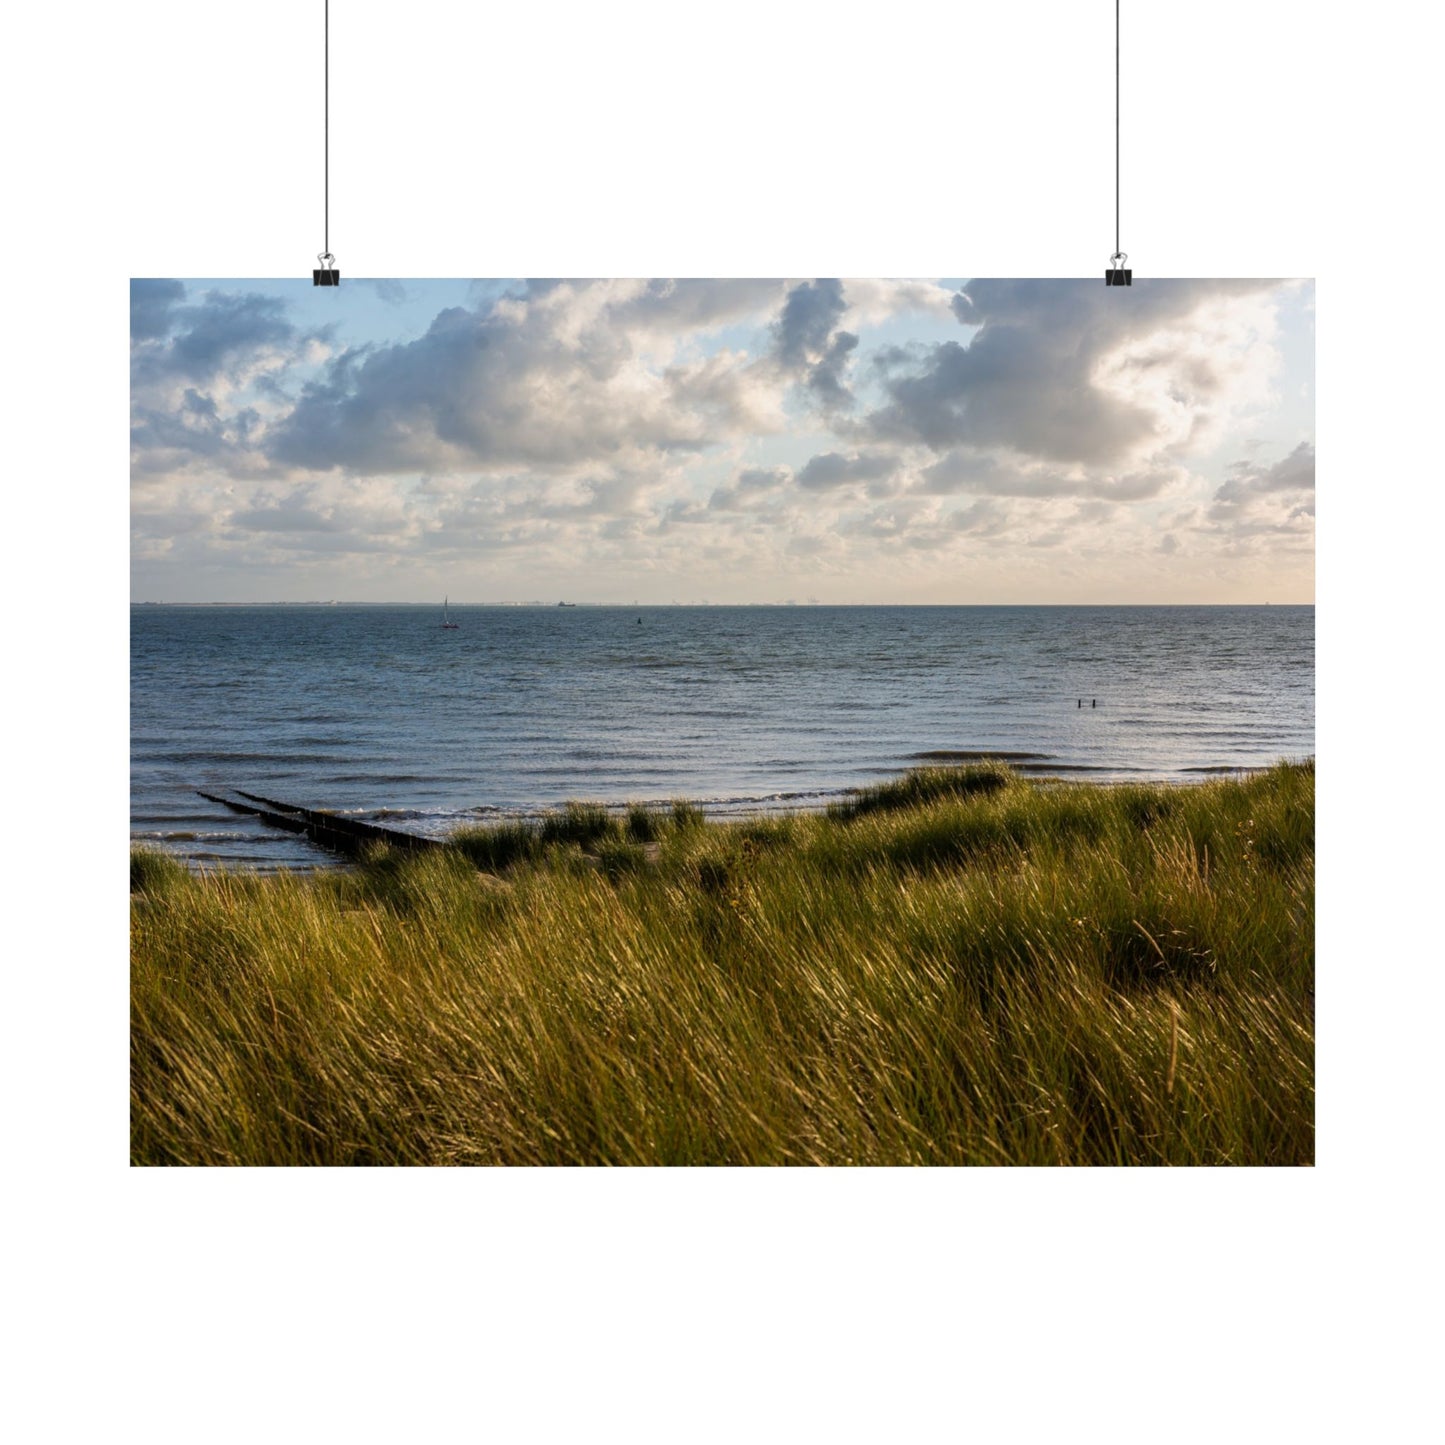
column 982, row 973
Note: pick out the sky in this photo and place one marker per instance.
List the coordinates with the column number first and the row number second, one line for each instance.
column 724, row 441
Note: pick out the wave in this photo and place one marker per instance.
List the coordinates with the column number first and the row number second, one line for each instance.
column 191, row 836
column 969, row 755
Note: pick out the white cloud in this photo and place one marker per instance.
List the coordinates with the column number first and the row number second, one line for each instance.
column 564, row 375
column 1082, row 375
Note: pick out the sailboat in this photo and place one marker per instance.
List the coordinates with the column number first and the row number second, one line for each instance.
column 447, row 617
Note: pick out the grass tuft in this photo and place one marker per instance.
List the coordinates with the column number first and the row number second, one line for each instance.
column 925, row 785
column 687, row 816
column 582, row 824
column 499, row 846
column 154, row 873
column 643, row 825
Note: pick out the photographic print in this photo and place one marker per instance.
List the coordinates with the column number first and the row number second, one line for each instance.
column 722, row 722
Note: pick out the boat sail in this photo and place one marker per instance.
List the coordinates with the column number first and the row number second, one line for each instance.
column 447, row 617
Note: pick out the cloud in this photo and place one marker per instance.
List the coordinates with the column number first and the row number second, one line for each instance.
column 1294, row 473
column 226, row 334
column 682, row 307
column 563, row 375
column 809, row 343
column 548, row 375
column 985, row 518
column 832, row 469
column 809, row 316
column 203, row 371
column 1267, row 500
column 284, row 519
column 752, row 488
column 747, row 430
column 152, row 307
column 192, row 429
column 871, row 300
column 1080, row 374
column 988, row 474
column 327, row 514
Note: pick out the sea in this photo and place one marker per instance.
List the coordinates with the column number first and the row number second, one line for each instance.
column 381, row 713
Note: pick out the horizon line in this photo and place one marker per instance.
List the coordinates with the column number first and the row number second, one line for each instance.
column 538, row 602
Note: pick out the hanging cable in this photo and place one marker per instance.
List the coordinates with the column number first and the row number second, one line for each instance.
column 326, row 274
column 1117, row 274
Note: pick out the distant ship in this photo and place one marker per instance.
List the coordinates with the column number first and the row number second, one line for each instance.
column 566, row 604
column 447, row 617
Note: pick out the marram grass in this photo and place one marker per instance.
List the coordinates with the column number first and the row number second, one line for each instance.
column 959, row 968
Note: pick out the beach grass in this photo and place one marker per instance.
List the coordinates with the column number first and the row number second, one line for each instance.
column 958, row 967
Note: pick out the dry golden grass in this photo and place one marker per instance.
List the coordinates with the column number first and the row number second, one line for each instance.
column 990, row 974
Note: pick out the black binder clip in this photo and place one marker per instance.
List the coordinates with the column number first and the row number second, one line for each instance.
column 1117, row 275
column 327, row 275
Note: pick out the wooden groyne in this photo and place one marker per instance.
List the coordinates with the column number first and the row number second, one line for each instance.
column 329, row 830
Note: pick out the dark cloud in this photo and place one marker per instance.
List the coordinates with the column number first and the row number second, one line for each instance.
column 832, row 469
column 684, row 513
column 806, row 340
column 186, row 352
column 163, row 438
column 1259, row 500
column 825, row 378
column 152, row 307
column 1028, row 380
column 1294, row 473
column 219, row 335
column 805, row 324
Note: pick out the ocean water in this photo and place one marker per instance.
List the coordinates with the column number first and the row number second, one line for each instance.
column 381, row 712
